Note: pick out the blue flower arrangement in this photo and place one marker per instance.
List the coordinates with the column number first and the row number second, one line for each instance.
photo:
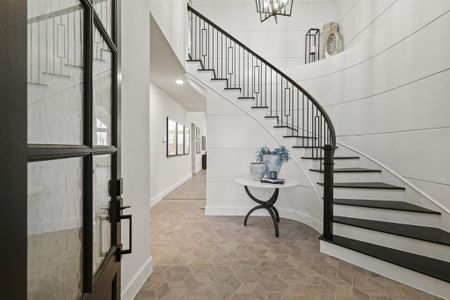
column 281, row 152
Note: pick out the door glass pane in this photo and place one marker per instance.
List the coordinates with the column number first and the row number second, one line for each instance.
column 55, row 191
column 55, row 72
column 103, row 8
column 102, row 89
column 102, row 226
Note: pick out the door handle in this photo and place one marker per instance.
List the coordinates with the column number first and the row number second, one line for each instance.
column 121, row 217
column 130, row 234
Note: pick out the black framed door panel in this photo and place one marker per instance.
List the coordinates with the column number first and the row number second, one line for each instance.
column 13, row 149
column 60, row 151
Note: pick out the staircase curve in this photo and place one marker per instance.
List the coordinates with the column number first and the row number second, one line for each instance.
column 361, row 213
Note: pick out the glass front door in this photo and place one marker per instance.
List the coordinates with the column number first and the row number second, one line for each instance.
column 73, row 203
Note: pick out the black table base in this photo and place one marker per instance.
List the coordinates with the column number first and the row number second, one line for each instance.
column 267, row 205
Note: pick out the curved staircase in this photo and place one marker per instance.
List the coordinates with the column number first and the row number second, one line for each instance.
column 365, row 216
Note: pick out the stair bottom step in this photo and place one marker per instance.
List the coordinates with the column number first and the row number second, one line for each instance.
column 425, row 265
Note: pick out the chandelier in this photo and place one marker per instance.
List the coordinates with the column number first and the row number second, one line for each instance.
column 273, row 8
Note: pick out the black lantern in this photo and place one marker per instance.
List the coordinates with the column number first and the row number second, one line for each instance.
column 312, row 45
column 273, row 8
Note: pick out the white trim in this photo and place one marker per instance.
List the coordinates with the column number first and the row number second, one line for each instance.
column 284, row 213
column 138, row 281
column 400, row 177
column 417, row 280
column 155, row 199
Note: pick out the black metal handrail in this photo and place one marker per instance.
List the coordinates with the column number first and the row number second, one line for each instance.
column 270, row 88
column 282, row 74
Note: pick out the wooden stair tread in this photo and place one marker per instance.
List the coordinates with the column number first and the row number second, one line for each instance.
column 349, row 170
column 366, row 185
column 425, row 265
column 284, row 126
column 424, row 233
column 307, row 147
column 300, row 137
column 385, row 204
column 336, row 157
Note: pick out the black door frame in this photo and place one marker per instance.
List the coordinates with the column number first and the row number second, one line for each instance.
column 15, row 153
column 13, row 149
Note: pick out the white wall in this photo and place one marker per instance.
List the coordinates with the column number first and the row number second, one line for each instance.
column 136, row 267
column 234, row 136
column 281, row 44
column 171, row 16
column 167, row 173
column 388, row 94
column 358, row 19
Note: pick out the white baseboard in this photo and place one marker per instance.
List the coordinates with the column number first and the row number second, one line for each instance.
column 284, row 213
column 138, row 281
column 419, row 281
column 160, row 196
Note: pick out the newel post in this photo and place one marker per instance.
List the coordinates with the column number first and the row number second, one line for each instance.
column 328, row 185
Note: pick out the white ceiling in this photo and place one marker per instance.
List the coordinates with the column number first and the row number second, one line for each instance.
column 165, row 69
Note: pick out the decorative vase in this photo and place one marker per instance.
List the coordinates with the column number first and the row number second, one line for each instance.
column 272, row 164
column 257, row 169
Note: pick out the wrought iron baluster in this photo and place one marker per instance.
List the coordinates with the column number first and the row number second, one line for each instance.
column 30, row 55
column 281, row 102
column 39, row 52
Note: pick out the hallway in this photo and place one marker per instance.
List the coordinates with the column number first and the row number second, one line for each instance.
column 200, row 257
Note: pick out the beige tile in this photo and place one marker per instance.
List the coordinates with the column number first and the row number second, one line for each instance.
column 200, row 257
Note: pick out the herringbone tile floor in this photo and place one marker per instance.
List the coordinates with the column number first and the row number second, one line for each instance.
column 200, row 257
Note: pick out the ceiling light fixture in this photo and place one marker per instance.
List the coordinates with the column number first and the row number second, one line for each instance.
column 273, row 8
column 179, row 81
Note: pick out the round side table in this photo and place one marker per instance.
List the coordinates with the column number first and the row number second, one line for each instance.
column 268, row 205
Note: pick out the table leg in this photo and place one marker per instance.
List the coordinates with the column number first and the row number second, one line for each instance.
column 276, row 213
column 252, row 210
column 268, row 205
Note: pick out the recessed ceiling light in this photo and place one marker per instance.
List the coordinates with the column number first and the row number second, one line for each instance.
column 179, row 81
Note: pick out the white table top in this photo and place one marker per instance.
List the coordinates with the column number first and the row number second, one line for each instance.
column 258, row 184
